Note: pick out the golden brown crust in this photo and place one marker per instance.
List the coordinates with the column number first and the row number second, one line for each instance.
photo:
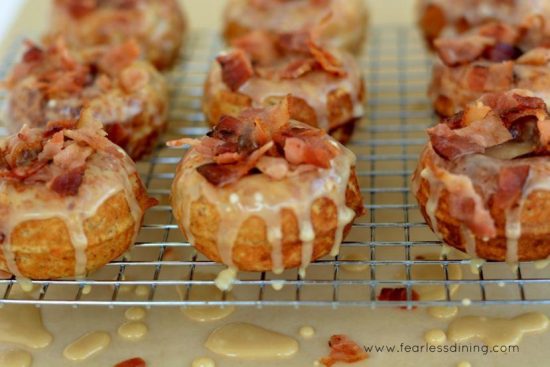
column 43, row 248
column 252, row 251
column 534, row 243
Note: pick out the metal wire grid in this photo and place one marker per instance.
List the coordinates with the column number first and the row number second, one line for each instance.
column 392, row 241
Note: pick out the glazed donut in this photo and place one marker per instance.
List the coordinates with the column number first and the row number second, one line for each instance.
column 482, row 181
column 326, row 87
column 70, row 200
column 128, row 96
column 340, row 23
column 446, row 18
column 158, row 26
column 493, row 58
column 262, row 192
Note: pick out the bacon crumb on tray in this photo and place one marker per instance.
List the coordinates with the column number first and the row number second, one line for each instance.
column 133, row 362
column 343, row 350
column 397, row 294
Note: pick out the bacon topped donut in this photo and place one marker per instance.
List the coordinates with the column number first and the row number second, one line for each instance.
column 263, row 192
column 495, row 57
column 128, row 96
column 70, row 200
column 340, row 23
column 483, row 180
column 326, row 87
column 449, row 17
column 158, row 26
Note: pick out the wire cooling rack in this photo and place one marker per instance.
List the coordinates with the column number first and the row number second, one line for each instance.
column 391, row 246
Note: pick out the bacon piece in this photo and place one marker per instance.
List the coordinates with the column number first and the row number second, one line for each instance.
column 118, row 58
column 68, row 183
column 396, row 295
column 486, row 132
column 295, row 42
column 134, row 362
column 543, row 127
column 183, row 141
column 52, row 147
column 510, row 185
column 343, row 349
column 222, row 175
column 466, row 205
column 33, row 53
column 476, row 77
column 79, row 8
column 463, row 50
column 500, row 32
column 512, row 106
column 500, row 76
column 236, row 69
column 73, row 156
column 450, row 145
column 304, row 146
column 502, row 52
column 94, row 140
column 275, row 167
column 297, row 68
column 132, row 79
column 328, row 61
column 536, row 57
column 259, row 46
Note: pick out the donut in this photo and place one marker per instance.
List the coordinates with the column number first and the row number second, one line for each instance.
column 482, row 181
column 340, row 23
column 446, row 18
column 263, row 192
column 70, row 200
column 493, row 58
column 158, row 26
column 325, row 86
column 130, row 97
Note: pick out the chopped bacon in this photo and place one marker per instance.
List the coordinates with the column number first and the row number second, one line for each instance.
column 295, row 42
column 343, row 349
column 459, row 51
column 275, row 167
column 118, row 58
column 513, row 106
column 297, row 68
column 500, row 32
column 537, row 57
column 502, row 52
column 466, row 205
column 328, row 61
column 450, row 145
column 222, row 175
column 476, row 77
column 183, row 141
column 33, row 53
column 73, row 156
column 487, row 132
column 236, row 68
column 94, row 140
column 396, row 295
column 53, row 147
column 133, row 79
column 258, row 45
column 68, row 183
column 500, row 76
column 134, row 362
column 511, row 180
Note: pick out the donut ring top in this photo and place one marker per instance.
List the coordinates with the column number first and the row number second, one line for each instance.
column 341, row 23
column 484, row 178
column 493, row 58
column 128, row 96
column 446, row 18
column 259, row 165
column 65, row 171
column 158, row 26
column 326, row 87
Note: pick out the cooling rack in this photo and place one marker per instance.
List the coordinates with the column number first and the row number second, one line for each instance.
column 390, row 247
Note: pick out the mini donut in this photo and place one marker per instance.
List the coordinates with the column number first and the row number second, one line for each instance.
column 158, row 26
column 493, row 58
column 130, row 97
column 326, row 87
column 482, row 181
column 450, row 17
column 70, row 200
column 340, row 23
column 263, row 192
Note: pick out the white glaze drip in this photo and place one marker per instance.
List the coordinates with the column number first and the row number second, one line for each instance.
column 433, row 199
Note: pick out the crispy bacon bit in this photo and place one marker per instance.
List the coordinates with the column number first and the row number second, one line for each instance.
column 466, row 205
column 537, row 57
column 295, row 42
column 258, row 45
column 119, row 57
column 476, row 77
column 343, row 349
column 513, row 106
column 68, row 183
column 79, row 8
column 297, row 68
column 33, row 53
column 328, row 61
column 459, row 51
column 134, row 362
column 450, row 145
column 133, row 79
column 397, row 294
column 275, row 167
column 500, row 32
column 510, row 185
column 502, row 52
column 236, row 68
